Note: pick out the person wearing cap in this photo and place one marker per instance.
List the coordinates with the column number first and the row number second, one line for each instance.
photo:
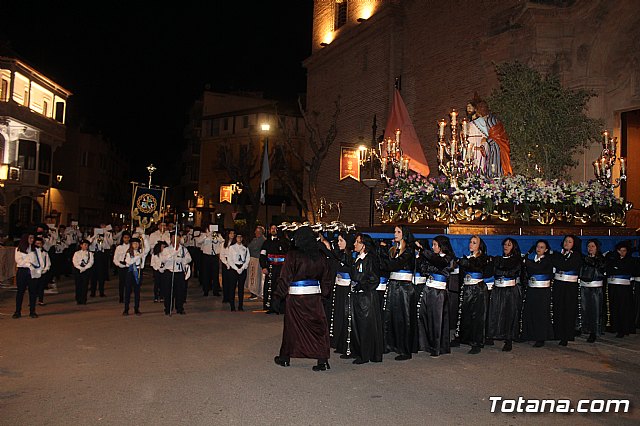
column 119, row 260
column 44, row 262
column 82, row 262
column 238, row 260
column 134, row 259
column 176, row 259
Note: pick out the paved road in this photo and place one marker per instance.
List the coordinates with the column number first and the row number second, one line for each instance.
column 89, row 365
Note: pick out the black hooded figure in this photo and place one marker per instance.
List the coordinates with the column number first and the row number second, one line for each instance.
column 473, row 269
column 591, row 289
column 506, row 297
column 400, row 305
column 565, row 289
column 620, row 268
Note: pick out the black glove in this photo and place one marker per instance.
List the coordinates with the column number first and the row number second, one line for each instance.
column 122, row 262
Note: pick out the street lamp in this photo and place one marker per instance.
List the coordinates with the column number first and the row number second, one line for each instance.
column 58, row 179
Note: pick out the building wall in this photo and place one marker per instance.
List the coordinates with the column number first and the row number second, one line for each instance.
column 446, row 51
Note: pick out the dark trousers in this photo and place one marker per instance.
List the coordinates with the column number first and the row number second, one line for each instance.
column 269, row 287
column 173, row 282
column 621, row 307
column 226, row 286
column 82, row 286
column 130, row 283
column 197, row 259
column 122, row 276
column 565, row 309
column 57, row 264
column 157, row 284
column 210, row 274
column 24, row 282
column 100, row 271
column 42, row 284
column 236, row 280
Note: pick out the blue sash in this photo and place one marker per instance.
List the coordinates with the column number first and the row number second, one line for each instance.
column 541, row 277
column 136, row 274
column 304, row 283
column 344, row 275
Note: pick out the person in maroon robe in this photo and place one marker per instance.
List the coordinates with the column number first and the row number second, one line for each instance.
column 304, row 280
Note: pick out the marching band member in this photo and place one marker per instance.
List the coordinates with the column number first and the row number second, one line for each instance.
column 238, row 261
column 176, row 259
column 134, row 260
column 367, row 340
column 592, row 275
column 100, row 246
column 399, row 323
column 26, row 262
column 82, row 263
column 44, row 261
column 210, row 243
column 506, row 298
column 304, row 280
column 158, row 269
column 536, row 316
column 226, row 267
column 473, row 268
column 433, row 305
column 272, row 256
column 565, row 289
column 160, row 234
column 619, row 267
column 119, row 257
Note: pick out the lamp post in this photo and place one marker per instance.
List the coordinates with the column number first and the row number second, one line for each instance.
column 265, row 127
column 370, row 157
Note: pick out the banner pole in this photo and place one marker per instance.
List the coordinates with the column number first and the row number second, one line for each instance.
column 133, row 196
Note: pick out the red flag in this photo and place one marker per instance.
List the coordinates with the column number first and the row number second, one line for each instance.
column 411, row 148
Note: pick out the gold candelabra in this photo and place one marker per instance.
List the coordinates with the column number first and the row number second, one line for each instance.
column 455, row 153
column 389, row 154
column 603, row 165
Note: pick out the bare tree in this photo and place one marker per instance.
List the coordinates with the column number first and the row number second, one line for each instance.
column 319, row 145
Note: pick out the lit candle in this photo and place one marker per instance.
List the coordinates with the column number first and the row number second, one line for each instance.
column 398, row 136
column 603, row 166
column 465, row 127
column 389, row 146
column 442, row 123
column 453, row 114
column 441, row 152
column 623, row 166
column 605, row 135
column 596, row 168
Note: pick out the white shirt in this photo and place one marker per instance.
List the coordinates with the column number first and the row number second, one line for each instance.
column 45, row 260
column 157, row 236
column 238, row 254
column 211, row 244
column 137, row 259
column 156, row 263
column 175, row 260
column 82, row 260
column 119, row 255
column 25, row 260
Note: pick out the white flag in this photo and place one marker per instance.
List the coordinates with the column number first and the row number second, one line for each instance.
column 266, row 174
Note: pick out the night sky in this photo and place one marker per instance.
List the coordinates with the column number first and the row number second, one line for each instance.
column 135, row 70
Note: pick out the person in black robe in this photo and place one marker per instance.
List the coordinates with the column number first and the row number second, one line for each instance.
column 591, row 284
column 506, row 297
column 453, row 289
column 305, row 278
column 619, row 267
column 635, row 281
column 536, row 321
column 433, row 304
column 399, row 320
column 367, row 340
column 272, row 255
column 565, row 289
column 341, row 259
column 473, row 269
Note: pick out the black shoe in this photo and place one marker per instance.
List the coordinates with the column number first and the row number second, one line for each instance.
column 16, row 315
column 454, row 343
column 240, row 309
column 620, row 335
column 42, row 304
column 488, row 342
column 345, row 356
column 563, row 343
column 322, row 366
column 402, row 357
column 233, row 309
column 182, row 312
column 138, row 312
column 591, row 338
column 125, row 313
column 359, row 361
column 434, row 354
column 474, row 350
column 507, row 346
column 281, row 362
column 166, row 313
column 538, row 344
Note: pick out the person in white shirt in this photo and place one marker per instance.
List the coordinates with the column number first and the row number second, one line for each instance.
column 119, row 255
column 158, row 271
column 26, row 262
column 42, row 257
column 160, row 234
column 238, row 260
column 176, row 259
column 226, row 270
column 100, row 246
column 211, row 243
column 82, row 263
column 134, row 259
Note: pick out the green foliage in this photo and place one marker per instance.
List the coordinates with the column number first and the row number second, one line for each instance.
column 546, row 123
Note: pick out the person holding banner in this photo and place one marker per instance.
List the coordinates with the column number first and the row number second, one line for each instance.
column 176, row 259
column 134, row 259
